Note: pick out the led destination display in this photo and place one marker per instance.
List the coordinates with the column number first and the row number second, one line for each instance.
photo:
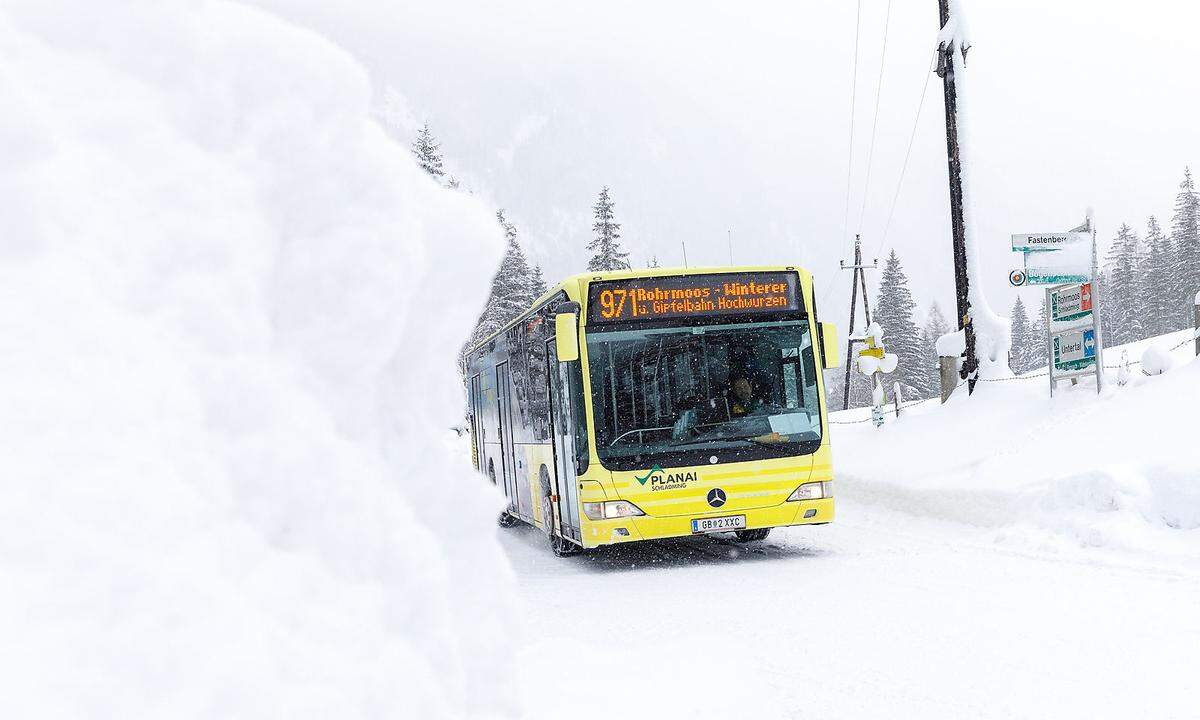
column 692, row 296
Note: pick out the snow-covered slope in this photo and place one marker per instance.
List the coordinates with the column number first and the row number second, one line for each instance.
column 230, row 311
column 1119, row 469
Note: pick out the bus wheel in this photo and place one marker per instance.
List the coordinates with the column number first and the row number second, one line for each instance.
column 752, row 535
column 563, row 547
column 507, row 520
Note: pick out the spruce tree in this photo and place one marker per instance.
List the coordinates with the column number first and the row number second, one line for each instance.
column 537, row 283
column 860, row 387
column 1154, row 282
column 1025, row 347
column 935, row 327
column 1185, row 245
column 511, row 290
column 1121, row 303
column 1040, row 331
column 894, row 313
column 428, row 152
column 606, row 245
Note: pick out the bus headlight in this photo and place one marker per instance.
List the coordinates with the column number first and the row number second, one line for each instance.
column 610, row 509
column 811, row 491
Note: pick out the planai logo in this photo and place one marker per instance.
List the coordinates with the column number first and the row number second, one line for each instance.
column 660, row 479
column 656, row 469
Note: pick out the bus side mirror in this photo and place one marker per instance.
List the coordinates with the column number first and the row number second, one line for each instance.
column 829, row 346
column 566, row 337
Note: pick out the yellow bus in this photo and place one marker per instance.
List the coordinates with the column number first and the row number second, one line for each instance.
column 646, row 404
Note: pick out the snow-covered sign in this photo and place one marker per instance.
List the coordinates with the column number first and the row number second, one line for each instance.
column 1048, row 242
column 1054, row 258
column 1074, row 349
column 1070, row 303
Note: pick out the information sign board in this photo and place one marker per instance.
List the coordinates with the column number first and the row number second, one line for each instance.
column 1072, row 302
column 1074, row 350
column 1054, row 258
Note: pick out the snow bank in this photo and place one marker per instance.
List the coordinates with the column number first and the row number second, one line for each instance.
column 1118, row 470
column 225, row 386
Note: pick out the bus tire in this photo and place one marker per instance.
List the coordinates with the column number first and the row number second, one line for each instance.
column 751, row 535
column 506, row 520
column 563, row 547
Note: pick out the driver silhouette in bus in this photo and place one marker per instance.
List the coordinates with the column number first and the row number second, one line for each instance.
column 742, row 398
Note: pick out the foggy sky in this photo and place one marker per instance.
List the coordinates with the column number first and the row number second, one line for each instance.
column 705, row 118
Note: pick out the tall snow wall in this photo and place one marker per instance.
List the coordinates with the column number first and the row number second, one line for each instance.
column 230, row 310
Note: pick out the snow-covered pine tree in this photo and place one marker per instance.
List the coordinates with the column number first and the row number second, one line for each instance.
column 511, row 291
column 894, row 313
column 653, row 261
column 537, row 283
column 1026, row 350
column 1154, row 282
column 860, row 387
column 428, row 152
column 935, row 327
column 1039, row 332
column 1185, row 244
column 1120, row 311
column 606, row 245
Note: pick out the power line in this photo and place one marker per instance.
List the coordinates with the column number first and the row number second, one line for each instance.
column 904, row 166
column 853, row 96
column 875, row 122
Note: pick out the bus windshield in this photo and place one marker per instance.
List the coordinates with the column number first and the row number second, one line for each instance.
column 677, row 396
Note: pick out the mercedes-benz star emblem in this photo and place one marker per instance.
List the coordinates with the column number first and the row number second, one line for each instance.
column 716, row 497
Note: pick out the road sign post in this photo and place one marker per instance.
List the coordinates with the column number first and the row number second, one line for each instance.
column 1073, row 342
column 1066, row 263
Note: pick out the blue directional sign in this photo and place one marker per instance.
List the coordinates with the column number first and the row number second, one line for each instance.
column 1074, row 349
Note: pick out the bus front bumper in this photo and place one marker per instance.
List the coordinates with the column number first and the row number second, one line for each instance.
column 647, row 527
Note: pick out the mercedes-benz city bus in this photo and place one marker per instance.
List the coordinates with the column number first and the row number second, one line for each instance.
column 646, row 404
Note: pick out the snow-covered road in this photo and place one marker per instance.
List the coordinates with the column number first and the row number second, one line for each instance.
column 881, row 614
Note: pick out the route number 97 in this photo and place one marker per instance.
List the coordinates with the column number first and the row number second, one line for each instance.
column 612, row 303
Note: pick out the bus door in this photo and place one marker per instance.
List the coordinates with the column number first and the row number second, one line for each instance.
column 475, row 400
column 504, row 411
column 562, row 424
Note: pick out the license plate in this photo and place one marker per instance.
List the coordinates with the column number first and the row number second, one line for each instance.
column 719, row 524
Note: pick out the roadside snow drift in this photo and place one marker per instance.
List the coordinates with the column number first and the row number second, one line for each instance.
column 1116, row 470
column 230, row 311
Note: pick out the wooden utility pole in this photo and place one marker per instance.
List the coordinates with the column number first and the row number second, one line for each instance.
column 859, row 282
column 945, row 70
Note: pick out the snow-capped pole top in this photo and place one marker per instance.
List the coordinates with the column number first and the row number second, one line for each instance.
column 952, row 344
column 954, row 32
column 875, row 333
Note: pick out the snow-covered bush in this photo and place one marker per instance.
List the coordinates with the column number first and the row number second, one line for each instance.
column 1156, row 361
column 225, row 385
